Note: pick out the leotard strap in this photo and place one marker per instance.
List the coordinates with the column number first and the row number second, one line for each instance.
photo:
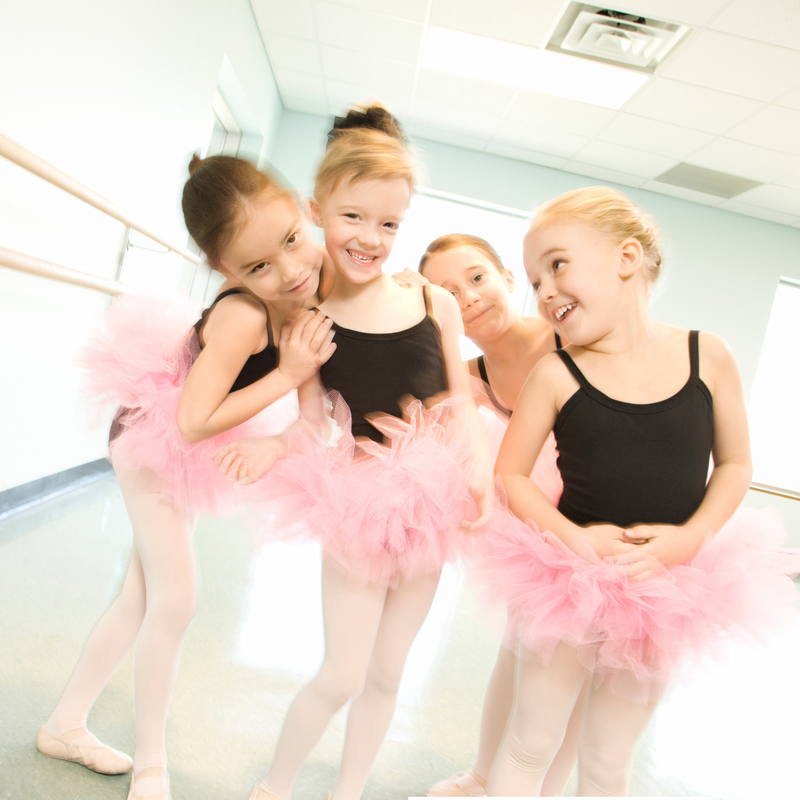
column 201, row 322
column 482, row 368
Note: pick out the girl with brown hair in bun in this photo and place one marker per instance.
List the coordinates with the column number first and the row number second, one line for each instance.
column 471, row 270
column 183, row 391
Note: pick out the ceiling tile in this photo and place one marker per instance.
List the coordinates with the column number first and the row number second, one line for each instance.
column 778, row 198
column 369, row 34
column 624, row 159
column 448, row 137
column 519, row 21
column 555, row 112
column 792, row 181
column 540, row 139
column 344, row 96
column 521, row 154
column 732, row 64
column 289, row 52
column 759, row 212
column 603, row 174
column 687, row 12
column 382, row 75
column 776, row 22
column 408, row 9
column 775, row 127
column 434, row 115
column 294, row 19
column 790, row 99
column 745, row 160
column 653, row 136
column 691, row 106
column 304, row 104
column 439, row 87
column 300, row 84
column 680, row 191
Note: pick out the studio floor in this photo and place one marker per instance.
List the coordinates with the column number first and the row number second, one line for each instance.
column 729, row 730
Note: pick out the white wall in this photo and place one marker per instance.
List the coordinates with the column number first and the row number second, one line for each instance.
column 118, row 95
column 721, row 269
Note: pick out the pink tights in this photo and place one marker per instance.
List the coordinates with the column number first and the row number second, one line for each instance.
column 497, row 707
column 153, row 610
column 545, row 699
column 369, row 630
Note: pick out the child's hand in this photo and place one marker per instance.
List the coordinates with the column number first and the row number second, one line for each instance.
column 605, row 540
column 305, row 345
column 662, row 547
column 248, row 460
column 481, row 487
column 409, row 278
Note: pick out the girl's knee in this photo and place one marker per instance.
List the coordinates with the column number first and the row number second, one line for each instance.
column 339, row 685
column 532, row 752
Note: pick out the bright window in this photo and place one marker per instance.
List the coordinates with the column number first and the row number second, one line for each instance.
column 773, row 410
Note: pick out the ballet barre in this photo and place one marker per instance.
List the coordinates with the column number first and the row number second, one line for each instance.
column 38, row 166
column 46, row 269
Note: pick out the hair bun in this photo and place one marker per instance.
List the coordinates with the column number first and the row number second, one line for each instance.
column 195, row 163
column 375, row 118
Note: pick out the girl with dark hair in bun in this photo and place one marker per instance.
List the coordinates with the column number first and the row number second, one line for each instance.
column 182, row 391
column 387, row 501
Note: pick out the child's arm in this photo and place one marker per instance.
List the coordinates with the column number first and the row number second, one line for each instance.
column 207, row 407
column 248, row 460
column 733, row 469
column 535, row 412
column 448, row 316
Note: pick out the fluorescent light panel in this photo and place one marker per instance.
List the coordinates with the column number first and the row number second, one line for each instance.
column 542, row 71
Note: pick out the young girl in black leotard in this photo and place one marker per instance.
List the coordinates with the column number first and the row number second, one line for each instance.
column 641, row 561
column 182, row 394
column 387, row 501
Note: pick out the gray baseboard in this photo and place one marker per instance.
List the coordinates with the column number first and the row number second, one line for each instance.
column 32, row 493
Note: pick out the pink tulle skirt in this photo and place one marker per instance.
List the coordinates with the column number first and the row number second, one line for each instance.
column 634, row 634
column 384, row 512
column 138, row 361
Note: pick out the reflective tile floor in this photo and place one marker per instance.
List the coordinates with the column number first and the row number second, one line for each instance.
column 730, row 730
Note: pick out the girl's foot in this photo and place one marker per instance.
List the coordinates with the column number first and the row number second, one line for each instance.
column 462, row 784
column 151, row 783
column 259, row 793
column 82, row 748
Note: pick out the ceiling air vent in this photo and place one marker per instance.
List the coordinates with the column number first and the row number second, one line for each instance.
column 613, row 36
column 700, row 179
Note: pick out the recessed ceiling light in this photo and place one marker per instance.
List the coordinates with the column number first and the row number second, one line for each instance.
column 541, row 71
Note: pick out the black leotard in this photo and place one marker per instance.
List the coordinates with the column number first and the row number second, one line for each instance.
column 257, row 365
column 629, row 463
column 374, row 371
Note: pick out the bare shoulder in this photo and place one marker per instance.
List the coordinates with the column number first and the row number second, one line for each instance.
column 718, row 365
column 445, row 308
column 239, row 313
column 550, row 376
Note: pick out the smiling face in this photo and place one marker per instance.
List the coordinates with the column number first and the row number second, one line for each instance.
column 577, row 273
column 360, row 220
column 482, row 291
column 274, row 254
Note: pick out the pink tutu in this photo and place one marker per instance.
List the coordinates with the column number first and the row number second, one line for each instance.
column 545, row 471
column 383, row 512
column 138, row 361
column 634, row 634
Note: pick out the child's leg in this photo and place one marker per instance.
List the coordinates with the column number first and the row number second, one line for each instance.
column 545, row 699
column 108, row 644
column 351, row 613
column 561, row 768
column 496, row 711
column 371, row 712
column 608, row 741
column 163, row 539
